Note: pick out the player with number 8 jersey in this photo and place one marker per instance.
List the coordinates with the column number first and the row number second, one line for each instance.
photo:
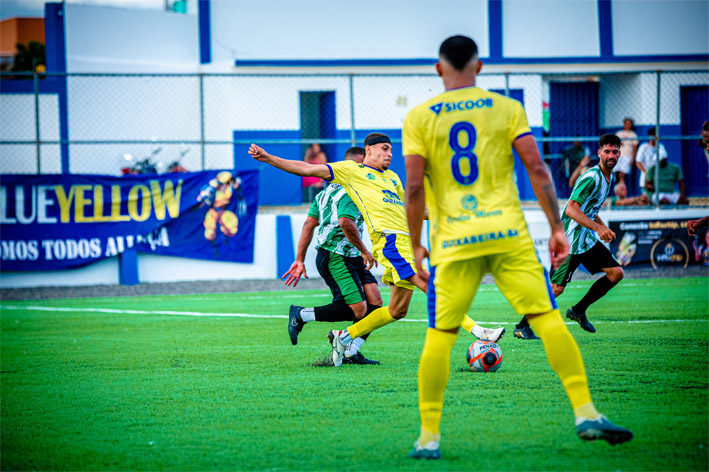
column 459, row 163
column 466, row 137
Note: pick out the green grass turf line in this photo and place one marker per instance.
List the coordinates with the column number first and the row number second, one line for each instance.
column 113, row 391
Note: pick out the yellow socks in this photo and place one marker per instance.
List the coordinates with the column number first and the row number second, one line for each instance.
column 376, row 319
column 468, row 324
column 426, row 437
column 565, row 358
column 433, row 375
column 587, row 411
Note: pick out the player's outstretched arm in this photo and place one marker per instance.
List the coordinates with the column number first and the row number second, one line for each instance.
column 298, row 267
column 415, row 203
column 526, row 147
column 349, row 229
column 301, row 168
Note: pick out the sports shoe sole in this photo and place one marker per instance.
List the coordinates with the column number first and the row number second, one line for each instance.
column 294, row 326
column 519, row 334
column 427, row 454
column 611, row 437
column 583, row 322
column 338, row 349
column 604, row 430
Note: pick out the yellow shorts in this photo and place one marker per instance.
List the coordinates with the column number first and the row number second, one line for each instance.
column 518, row 274
column 395, row 253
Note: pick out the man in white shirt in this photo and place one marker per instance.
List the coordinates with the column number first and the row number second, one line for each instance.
column 645, row 157
column 628, row 148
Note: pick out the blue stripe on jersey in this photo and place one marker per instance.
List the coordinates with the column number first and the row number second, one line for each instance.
column 332, row 176
column 550, row 291
column 523, row 135
column 391, row 252
column 432, row 298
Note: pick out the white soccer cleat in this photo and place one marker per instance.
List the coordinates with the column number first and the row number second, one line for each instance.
column 491, row 334
column 338, row 349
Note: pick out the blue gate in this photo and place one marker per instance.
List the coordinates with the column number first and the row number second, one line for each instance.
column 694, row 112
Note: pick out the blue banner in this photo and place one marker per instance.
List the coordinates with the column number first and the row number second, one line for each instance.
column 51, row 222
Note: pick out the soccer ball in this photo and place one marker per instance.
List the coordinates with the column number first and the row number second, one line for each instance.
column 484, row 356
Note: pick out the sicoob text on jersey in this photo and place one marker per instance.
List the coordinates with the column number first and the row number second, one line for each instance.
column 461, row 105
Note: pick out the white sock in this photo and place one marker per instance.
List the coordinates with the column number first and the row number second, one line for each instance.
column 345, row 337
column 353, row 347
column 477, row 331
column 307, row 314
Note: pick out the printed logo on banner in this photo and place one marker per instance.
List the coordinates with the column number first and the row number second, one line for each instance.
column 669, row 252
column 52, row 222
column 656, row 242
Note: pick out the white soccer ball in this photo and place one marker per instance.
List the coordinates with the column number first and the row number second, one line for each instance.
column 484, row 356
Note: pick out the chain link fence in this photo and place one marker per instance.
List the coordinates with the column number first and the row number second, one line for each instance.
column 111, row 123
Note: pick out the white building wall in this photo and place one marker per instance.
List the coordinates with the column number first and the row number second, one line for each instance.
column 325, row 29
column 104, row 39
column 660, row 27
column 17, row 123
column 550, row 28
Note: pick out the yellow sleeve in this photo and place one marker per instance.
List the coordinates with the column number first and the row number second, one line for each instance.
column 518, row 124
column 413, row 144
column 341, row 172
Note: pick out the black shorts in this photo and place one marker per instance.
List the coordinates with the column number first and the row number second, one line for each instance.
column 594, row 260
column 344, row 275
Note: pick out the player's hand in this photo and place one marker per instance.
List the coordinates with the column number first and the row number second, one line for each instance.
column 692, row 227
column 420, row 253
column 293, row 275
column 558, row 248
column 606, row 234
column 369, row 260
column 258, row 153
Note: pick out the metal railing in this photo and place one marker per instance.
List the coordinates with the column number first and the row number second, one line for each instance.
column 87, row 123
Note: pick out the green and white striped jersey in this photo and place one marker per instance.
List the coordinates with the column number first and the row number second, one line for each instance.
column 590, row 191
column 328, row 207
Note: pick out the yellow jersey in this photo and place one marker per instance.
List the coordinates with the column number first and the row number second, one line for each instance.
column 379, row 196
column 465, row 136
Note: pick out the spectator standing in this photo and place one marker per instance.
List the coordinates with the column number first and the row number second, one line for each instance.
column 313, row 185
column 646, row 155
column 670, row 175
column 628, row 148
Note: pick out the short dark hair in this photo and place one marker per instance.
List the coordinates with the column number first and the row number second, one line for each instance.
column 611, row 139
column 458, row 50
column 651, row 132
column 354, row 151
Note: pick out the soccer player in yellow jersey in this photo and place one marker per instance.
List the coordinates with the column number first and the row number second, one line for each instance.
column 379, row 195
column 459, row 162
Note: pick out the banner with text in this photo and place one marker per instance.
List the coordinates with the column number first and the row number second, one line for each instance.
column 660, row 242
column 50, row 222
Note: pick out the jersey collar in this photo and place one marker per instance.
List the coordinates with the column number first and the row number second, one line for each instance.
column 380, row 171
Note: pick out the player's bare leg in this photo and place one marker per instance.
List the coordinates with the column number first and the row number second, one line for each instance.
column 399, row 301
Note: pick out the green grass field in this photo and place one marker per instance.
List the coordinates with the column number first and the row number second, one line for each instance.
column 135, row 384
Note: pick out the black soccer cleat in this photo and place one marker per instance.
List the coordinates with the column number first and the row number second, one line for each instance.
column 295, row 323
column 525, row 333
column 581, row 319
column 430, row 452
column 590, row 430
column 359, row 359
